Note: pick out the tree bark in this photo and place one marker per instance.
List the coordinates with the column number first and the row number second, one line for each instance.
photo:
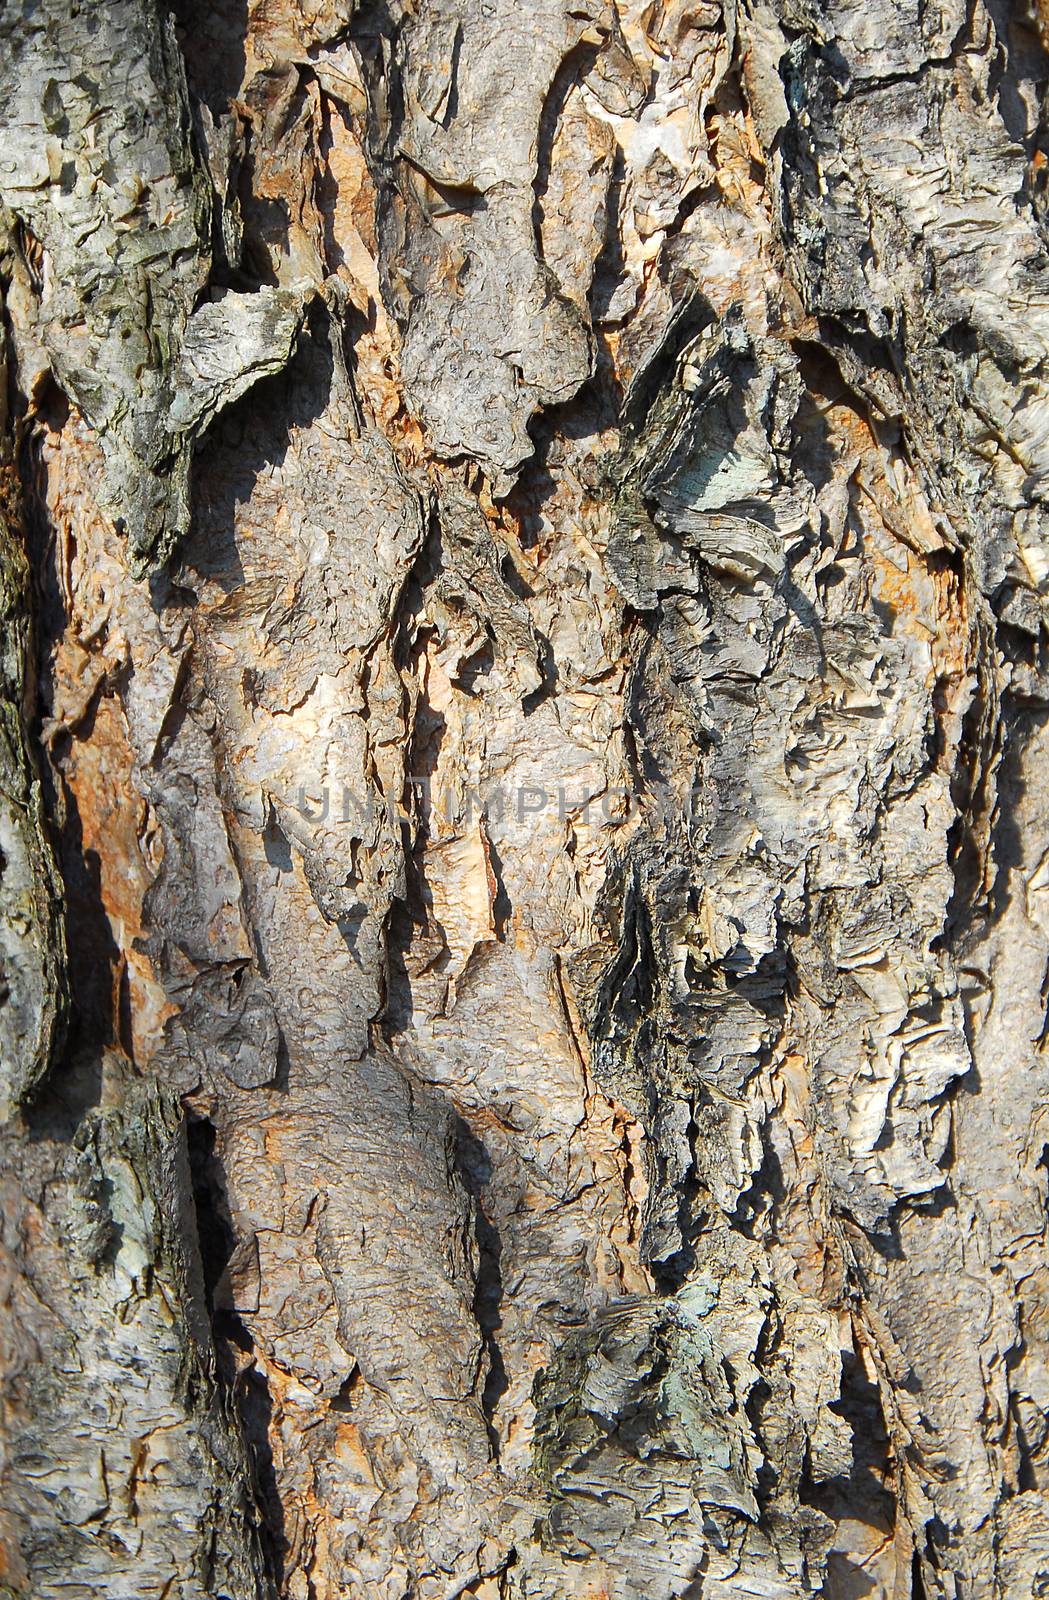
column 524, row 904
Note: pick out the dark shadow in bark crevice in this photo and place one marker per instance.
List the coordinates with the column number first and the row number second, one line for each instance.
column 475, row 1168
column 250, row 436
column 1021, row 723
column 376, row 38
column 861, row 1493
column 92, row 960
column 610, row 268
column 213, row 42
column 987, row 798
column 212, row 38
column 760, row 1202
column 412, row 914
column 216, row 1237
column 553, row 430
column 240, row 1378
column 74, row 1085
column 573, row 69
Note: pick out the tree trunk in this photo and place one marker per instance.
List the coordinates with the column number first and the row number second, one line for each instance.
column 524, row 866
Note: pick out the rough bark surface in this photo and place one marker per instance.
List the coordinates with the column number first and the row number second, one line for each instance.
column 524, row 870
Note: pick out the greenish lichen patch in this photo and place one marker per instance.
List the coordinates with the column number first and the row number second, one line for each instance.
column 639, row 1396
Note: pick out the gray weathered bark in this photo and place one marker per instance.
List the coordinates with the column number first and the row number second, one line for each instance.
column 524, row 872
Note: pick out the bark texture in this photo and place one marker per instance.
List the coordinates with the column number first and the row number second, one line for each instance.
column 524, row 733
